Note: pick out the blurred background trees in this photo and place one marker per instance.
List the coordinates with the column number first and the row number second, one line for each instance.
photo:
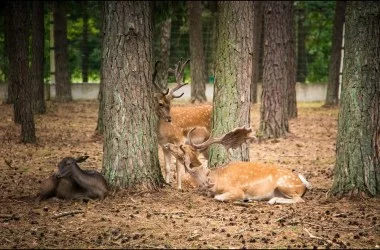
column 314, row 21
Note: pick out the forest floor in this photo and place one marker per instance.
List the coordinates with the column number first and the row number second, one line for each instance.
column 171, row 218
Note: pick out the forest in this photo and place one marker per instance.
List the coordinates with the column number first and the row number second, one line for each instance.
column 241, row 162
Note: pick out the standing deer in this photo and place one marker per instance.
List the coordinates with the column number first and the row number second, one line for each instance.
column 240, row 180
column 71, row 182
column 174, row 123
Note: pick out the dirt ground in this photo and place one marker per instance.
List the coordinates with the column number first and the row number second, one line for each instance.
column 171, row 218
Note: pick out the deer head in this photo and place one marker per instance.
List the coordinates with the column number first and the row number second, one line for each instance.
column 164, row 97
column 188, row 153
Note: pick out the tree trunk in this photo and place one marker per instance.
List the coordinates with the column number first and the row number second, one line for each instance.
column 20, row 65
column 37, row 65
column 85, row 49
column 9, row 50
column 291, row 60
column 233, row 76
column 301, row 47
column 100, row 123
column 257, row 28
column 197, row 59
column 162, row 74
column 62, row 75
column 357, row 167
column 274, row 104
column 332, row 95
column 130, row 157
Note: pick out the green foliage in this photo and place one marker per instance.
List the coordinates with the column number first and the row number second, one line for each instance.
column 318, row 22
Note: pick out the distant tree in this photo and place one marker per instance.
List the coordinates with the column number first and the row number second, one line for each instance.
column 357, row 167
column 62, row 75
column 277, row 39
column 163, row 19
column 290, row 61
column 19, row 64
column 130, row 158
column 197, row 59
column 37, row 64
column 332, row 94
column 233, row 75
column 100, row 123
column 85, row 49
column 301, row 44
column 9, row 48
column 257, row 28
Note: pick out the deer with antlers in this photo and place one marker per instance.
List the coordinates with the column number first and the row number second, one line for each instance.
column 240, row 180
column 174, row 123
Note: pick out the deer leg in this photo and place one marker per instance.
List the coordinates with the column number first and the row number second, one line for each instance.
column 168, row 160
column 234, row 194
column 295, row 199
column 180, row 173
column 285, row 195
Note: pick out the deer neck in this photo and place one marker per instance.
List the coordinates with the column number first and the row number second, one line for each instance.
column 167, row 132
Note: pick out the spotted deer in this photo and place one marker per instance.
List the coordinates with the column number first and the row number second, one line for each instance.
column 174, row 123
column 240, row 180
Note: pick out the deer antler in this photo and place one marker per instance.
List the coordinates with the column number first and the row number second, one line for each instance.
column 165, row 92
column 178, row 72
column 232, row 139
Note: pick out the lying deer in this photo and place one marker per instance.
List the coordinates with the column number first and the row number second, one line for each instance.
column 173, row 129
column 71, row 182
column 240, row 180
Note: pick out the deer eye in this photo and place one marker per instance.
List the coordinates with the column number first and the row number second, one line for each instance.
column 161, row 104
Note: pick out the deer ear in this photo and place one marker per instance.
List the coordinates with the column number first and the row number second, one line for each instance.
column 81, row 158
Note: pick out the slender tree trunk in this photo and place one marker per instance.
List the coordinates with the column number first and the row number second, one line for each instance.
column 357, row 167
column 257, row 28
column 162, row 74
column 8, row 49
column 233, row 76
column 332, row 95
column 62, row 75
column 100, row 123
column 197, row 59
column 301, row 47
column 20, row 65
column 274, row 104
column 291, row 60
column 130, row 158
column 85, row 49
column 37, row 65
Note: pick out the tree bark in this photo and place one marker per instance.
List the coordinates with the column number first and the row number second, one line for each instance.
column 85, row 49
column 197, row 59
column 357, row 167
column 257, row 28
column 62, row 75
column 130, row 158
column 9, row 50
column 233, row 76
column 301, row 46
column 37, row 65
column 274, row 104
column 332, row 95
column 291, row 60
column 20, row 65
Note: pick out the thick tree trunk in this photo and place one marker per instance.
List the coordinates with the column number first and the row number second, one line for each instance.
column 197, row 59
column 291, row 60
column 37, row 65
column 257, row 28
column 62, row 75
column 85, row 49
column 130, row 157
column 233, row 76
column 20, row 65
column 332, row 95
column 301, row 47
column 357, row 167
column 274, row 103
